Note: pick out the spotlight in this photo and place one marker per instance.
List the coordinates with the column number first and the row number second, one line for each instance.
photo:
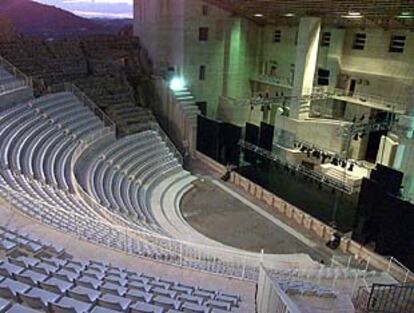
column 177, row 84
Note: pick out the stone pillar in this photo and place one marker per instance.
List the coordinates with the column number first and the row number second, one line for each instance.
column 305, row 65
column 335, row 55
column 404, row 159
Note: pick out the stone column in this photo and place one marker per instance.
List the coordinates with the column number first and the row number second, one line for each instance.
column 404, row 160
column 305, row 65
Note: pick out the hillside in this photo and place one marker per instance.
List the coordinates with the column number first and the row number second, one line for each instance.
column 31, row 17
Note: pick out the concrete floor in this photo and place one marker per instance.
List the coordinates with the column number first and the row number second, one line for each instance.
column 218, row 215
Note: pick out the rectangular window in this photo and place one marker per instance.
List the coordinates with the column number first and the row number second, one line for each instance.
column 204, row 10
column 203, row 34
column 323, row 77
column 359, row 41
column 326, row 39
column 397, row 43
column 277, row 36
column 202, row 73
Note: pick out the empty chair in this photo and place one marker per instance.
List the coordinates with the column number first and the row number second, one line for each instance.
column 113, row 289
column 113, row 302
column 7, row 245
column 164, row 292
column 166, row 302
column 215, row 310
column 116, row 280
column 100, row 309
column 9, row 269
column 191, row 307
column 30, row 277
column 69, row 305
column 55, row 261
column 134, row 285
column 89, row 282
column 218, row 304
column 24, row 261
column 160, row 284
column 39, row 299
column 93, row 273
column 56, row 285
column 142, row 307
column 203, row 294
column 65, row 274
column 181, row 289
column 10, row 288
column 18, row 308
column 189, row 298
column 233, row 300
column 84, row 294
column 139, row 295
column 4, row 305
column 45, row 268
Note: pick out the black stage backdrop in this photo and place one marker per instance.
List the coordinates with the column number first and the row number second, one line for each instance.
column 219, row 140
column 266, row 136
column 251, row 136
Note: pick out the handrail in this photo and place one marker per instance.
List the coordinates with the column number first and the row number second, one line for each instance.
column 278, row 80
column 270, row 297
column 9, row 67
column 92, row 105
column 167, row 141
column 383, row 101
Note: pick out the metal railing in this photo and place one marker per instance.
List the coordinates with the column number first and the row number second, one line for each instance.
column 326, row 180
column 386, row 103
column 86, row 101
column 21, row 78
column 270, row 297
column 275, row 80
column 167, row 140
column 395, row 267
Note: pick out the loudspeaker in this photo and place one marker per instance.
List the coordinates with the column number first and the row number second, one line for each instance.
column 389, row 178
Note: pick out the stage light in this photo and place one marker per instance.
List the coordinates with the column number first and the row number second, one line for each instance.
column 289, row 14
column 258, row 15
column 352, row 14
column 406, row 15
column 177, row 84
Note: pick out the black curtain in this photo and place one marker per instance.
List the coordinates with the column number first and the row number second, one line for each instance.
column 208, row 134
column 266, row 136
column 251, row 136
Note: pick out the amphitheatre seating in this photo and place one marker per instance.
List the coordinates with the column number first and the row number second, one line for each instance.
column 121, row 173
column 15, row 243
column 132, row 118
column 65, row 284
column 20, row 129
column 9, row 82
